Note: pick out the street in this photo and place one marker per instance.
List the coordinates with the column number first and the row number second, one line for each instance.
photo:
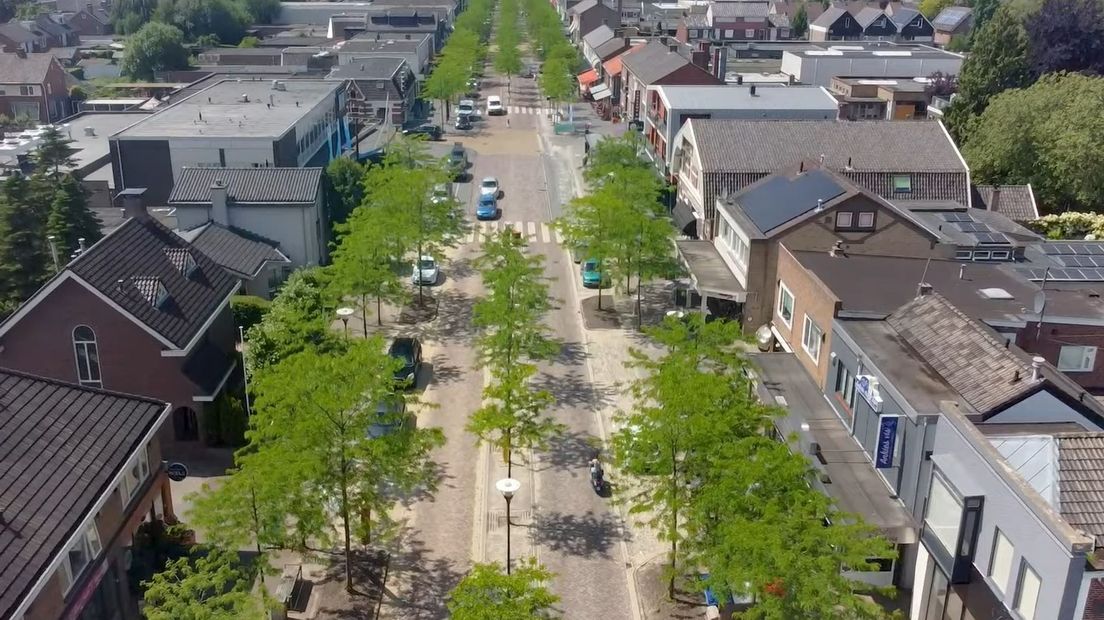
column 557, row 517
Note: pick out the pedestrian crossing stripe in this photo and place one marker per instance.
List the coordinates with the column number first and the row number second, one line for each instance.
column 525, row 109
column 536, row 232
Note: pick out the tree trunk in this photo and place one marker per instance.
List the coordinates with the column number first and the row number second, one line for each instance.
column 348, row 534
column 599, row 291
column 366, row 520
column 364, row 313
column 508, row 455
column 379, row 312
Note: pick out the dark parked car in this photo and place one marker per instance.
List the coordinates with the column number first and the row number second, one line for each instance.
column 432, row 132
column 391, row 416
column 458, row 161
column 409, row 350
column 463, row 122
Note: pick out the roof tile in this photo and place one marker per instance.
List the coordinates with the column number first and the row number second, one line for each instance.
column 249, row 185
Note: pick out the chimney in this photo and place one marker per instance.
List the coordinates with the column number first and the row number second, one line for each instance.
column 751, row 89
column 1037, row 368
column 219, row 212
column 994, row 201
column 739, row 80
column 80, row 244
column 923, row 289
column 133, row 204
column 720, row 62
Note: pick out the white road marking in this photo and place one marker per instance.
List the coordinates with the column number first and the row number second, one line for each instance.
column 532, row 230
column 546, row 232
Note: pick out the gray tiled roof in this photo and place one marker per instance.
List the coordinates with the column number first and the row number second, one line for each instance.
column 903, row 15
column 123, row 264
column 868, row 15
column 585, row 5
column 741, row 8
column 370, row 68
column 655, row 62
column 1081, row 482
column 829, row 16
column 611, row 48
column 61, row 447
column 249, row 185
column 16, row 32
column 29, row 70
column 970, row 358
column 951, row 18
column 239, row 251
column 1016, row 202
column 598, row 36
column 869, row 146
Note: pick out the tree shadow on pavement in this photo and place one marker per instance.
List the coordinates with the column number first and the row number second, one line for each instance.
column 588, row 535
column 574, row 389
column 439, row 371
column 569, row 451
column 454, row 319
column 369, row 573
column 421, row 583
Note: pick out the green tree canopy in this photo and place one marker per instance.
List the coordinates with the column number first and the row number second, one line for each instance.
column 70, row 219
column 24, row 254
column 208, row 585
column 999, row 60
column 1057, row 145
column 299, row 318
column 155, row 47
column 224, row 19
column 931, row 8
column 345, row 182
column 54, row 151
column 800, row 24
column 488, row 593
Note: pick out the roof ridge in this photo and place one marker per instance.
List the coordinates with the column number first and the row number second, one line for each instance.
column 973, row 325
column 77, row 386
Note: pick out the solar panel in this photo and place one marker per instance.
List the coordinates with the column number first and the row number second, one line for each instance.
column 956, row 217
column 972, row 227
column 1031, row 273
column 990, row 237
column 1052, row 249
column 1077, row 261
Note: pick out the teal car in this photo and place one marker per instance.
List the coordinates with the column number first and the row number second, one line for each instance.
column 592, row 274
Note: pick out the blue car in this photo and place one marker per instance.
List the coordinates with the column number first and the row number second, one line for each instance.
column 592, row 274
column 486, row 208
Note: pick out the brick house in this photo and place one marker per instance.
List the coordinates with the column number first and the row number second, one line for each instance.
column 34, row 86
column 658, row 63
column 893, row 160
column 90, row 21
column 589, row 15
column 16, row 37
column 72, row 505
column 140, row 312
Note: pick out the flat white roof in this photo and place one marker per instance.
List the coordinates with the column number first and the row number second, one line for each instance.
column 733, row 97
column 248, row 108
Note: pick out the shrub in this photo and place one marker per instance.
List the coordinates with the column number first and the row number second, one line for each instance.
column 248, row 310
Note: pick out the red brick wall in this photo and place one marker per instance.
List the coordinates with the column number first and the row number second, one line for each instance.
column 130, row 359
column 1054, row 335
column 811, row 297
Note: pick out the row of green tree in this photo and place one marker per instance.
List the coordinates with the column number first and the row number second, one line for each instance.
column 461, row 59
column 224, row 21
column 560, row 60
column 507, row 55
column 1018, row 118
column 43, row 219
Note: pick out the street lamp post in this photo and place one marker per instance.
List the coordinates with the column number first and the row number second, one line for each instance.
column 344, row 313
column 508, row 486
column 245, row 371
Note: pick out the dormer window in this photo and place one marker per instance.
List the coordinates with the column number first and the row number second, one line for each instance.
column 152, row 290
column 182, row 260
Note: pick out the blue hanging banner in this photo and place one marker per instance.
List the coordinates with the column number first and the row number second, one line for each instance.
column 887, row 442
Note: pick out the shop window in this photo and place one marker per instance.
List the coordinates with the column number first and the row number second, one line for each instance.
column 944, row 514
column 902, row 184
column 811, row 336
column 1000, row 564
column 785, row 304
column 937, row 594
column 844, row 219
column 1027, row 594
column 866, row 219
column 1073, row 358
column 845, row 385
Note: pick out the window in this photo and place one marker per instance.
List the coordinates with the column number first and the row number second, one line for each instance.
column 811, row 336
column 739, row 250
column 902, row 184
column 845, row 385
column 999, row 255
column 981, row 255
column 944, row 514
column 964, row 254
column 26, row 91
column 866, row 219
column 83, row 551
column 1027, row 595
column 1076, row 358
column 135, row 475
column 844, row 219
column 1000, row 564
column 785, row 304
column 749, row 33
column 88, row 356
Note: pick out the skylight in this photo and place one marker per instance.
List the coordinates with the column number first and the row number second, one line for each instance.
column 995, row 293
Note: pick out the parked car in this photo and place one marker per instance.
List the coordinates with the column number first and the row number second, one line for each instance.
column 432, row 132
column 390, row 417
column 487, row 207
column 425, row 271
column 409, row 350
column 473, row 87
column 458, row 161
column 441, row 193
column 529, row 72
column 592, row 274
column 465, row 108
column 494, row 106
column 489, row 185
column 463, row 122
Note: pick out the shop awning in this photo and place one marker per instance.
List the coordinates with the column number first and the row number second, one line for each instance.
column 709, row 272
column 586, row 78
column 685, row 220
column 600, row 92
column 847, row 473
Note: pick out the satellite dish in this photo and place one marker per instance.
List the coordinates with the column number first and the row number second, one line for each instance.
column 1040, row 302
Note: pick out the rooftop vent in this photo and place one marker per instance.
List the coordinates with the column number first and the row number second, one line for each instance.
column 995, row 293
column 278, row 85
column 89, row 131
column 1037, row 367
column 244, row 98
